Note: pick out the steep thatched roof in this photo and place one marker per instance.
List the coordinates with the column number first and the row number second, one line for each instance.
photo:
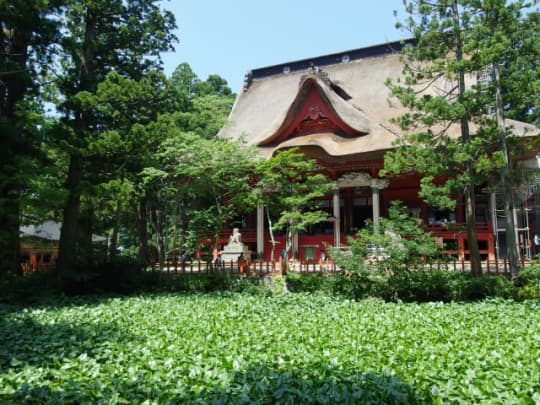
column 350, row 89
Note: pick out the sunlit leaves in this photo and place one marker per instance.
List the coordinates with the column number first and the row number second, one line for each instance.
column 281, row 349
column 451, row 118
column 289, row 184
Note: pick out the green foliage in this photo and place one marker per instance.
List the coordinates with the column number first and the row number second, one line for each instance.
column 309, row 283
column 529, row 275
column 211, row 177
column 528, row 283
column 421, row 285
column 379, row 256
column 27, row 31
column 292, row 348
column 288, row 184
column 28, row 288
column 444, row 286
column 204, row 105
column 356, row 280
column 120, row 275
column 456, row 122
column 398, row 240
column 251, row 286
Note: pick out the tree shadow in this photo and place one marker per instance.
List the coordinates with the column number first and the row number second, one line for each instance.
column 27, row 342
column 258, row 384
column 317, row 385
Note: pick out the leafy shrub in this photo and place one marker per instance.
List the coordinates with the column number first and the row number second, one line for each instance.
column 28, row 287
column 445, row 286
column 204, row 282
column 121, row 275
column 486, row 286
column 420, row 286
column 528, row 275
column 251, row 285
column 399, row 241
column 406, row 285
column 379, row 258
column 278, row 285
column 527, row 283
column 309, row 282
column 356, row 284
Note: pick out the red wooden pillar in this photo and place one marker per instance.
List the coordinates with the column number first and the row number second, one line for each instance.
column 34, row 259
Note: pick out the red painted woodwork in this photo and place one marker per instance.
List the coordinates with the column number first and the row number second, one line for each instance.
column 314, row 116
column 454, row 237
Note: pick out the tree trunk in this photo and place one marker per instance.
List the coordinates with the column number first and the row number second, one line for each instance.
column 157, row 224
column 142, row 232
column 86, row 82
column 470, row 215
column 472, row 238
column 85, row 245
column 67, row 250
column 15, row 45
column 271, row 231
column 9, row 233
column 512, row 251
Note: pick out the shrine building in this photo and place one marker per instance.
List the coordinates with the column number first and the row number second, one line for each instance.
column 337, row 110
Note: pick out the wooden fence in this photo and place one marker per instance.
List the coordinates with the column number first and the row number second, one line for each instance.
column 489, row 267
column 262, row 268
column 243, row 267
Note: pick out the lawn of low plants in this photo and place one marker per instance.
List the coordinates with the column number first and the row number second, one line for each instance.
column 289, row 348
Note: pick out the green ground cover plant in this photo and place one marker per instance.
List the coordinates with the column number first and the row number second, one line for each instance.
column 283, row 348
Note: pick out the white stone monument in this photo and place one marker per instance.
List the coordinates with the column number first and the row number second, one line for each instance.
column 235, row 248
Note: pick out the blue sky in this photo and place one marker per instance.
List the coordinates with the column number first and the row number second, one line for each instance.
column 230, row 37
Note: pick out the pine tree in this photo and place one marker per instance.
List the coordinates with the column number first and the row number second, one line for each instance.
column 455, row 40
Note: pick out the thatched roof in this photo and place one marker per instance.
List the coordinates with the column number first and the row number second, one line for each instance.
column 349, row 85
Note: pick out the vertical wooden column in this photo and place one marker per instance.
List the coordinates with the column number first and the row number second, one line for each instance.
column 375, row 207
column 337, row 218
column 376, row 186
column 494, row 224
column 260, row 232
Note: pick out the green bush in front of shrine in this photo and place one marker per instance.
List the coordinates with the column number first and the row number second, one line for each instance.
column 444, row 286
column 312, row 283
column 528, row 283
column 383, row 258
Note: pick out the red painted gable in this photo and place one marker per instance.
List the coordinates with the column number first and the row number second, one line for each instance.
column 313, row 115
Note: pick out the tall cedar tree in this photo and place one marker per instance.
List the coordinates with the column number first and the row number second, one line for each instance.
column 101, row 36
column 27, row 31
column 128, row 109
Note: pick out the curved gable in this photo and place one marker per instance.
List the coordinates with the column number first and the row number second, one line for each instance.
column 318, row 108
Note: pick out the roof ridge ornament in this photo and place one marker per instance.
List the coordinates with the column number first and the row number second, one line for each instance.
column 248, row 78
column 318, row 72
